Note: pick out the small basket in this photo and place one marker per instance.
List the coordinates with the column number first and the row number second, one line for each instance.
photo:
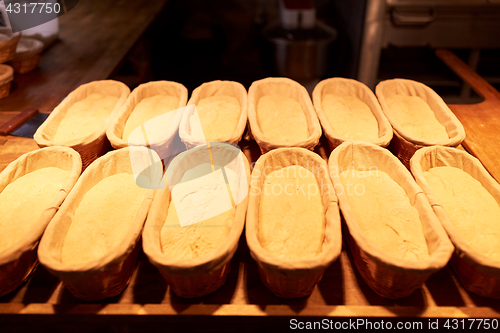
column 20, row 259
column 350, row 87
column 95, row 144
column 478, row 273
column 403, row 144
column 150, row 89
column 287, row 88
column 8, row 44
column 27, row 55
column 6, row 77
column 109, row 274
column 388, row 276
column 284, row 277
column 209, row 89
column 195, row 277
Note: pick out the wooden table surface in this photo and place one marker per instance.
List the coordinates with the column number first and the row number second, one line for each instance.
column 481, row 121
column 94, row 37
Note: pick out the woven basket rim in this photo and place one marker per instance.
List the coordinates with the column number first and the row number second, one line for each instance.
column 242, row 97
column 206, row 263
column 80, row 144
column 267, row 143
column 451, row 157
column 382, row 141
column 443, row 109
column 114, row 255
column 7, row 75
column 332, row 243
column 31, row 238
column 436, row 260
column 35, row 47
column 124, row 112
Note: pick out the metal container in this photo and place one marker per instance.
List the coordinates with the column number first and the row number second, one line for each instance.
column 300, row 54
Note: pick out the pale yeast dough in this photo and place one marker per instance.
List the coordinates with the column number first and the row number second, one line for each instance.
column 149, row 108
column 384, row 213
column 23, row 201
column 281, row 118
column 202, row 238
column 219, row 116
column 471, row 208
column 102, row 219
column 291, row 214
column 416, row 117
column 85, row 117
column 350, row 117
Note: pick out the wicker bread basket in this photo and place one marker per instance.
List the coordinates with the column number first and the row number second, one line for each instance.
column 8, row 45
column 20, row 259
column 146, row 90
column 209, row 89
column 404, row 145
column 199, row 276
column 108, row 275
column 95, row 144
column 388, row 276
column 286, row 277
column 6, row 77
column 477, row 272
column 27, row 55
column 286, row 88
column 350, row 87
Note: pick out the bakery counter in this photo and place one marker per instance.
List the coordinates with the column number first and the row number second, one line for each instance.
column 341, row 293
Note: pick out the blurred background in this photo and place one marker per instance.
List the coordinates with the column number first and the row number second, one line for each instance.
column 195, row 41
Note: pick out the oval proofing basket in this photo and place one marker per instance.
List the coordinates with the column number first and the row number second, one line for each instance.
column 286, row 277
column 109, row 274
column 387, row 275
column 20, row 259
column 146, row 90
column 209, row 89
column 288, row 88
column 95, row 144
column 404, row 145
column 349, row 87
column 195, row 277
column 477, row 272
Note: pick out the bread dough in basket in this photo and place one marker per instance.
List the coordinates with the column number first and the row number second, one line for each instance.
column 414, row 115
column 471, row 208
column 219, row 116
column 282, row 118
column 103, row 218
column 149, row 108
column 85, row 117
column 291, row 214
column 205, row 236
column 23, row 201
column 385, row 214
column 350, row 117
